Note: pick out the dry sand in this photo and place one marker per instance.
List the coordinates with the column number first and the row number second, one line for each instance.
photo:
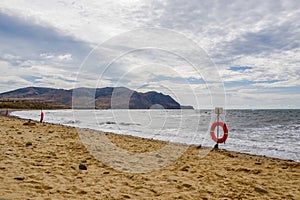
column 41, row 161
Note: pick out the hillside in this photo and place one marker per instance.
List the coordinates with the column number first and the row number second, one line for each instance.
column 99, row 98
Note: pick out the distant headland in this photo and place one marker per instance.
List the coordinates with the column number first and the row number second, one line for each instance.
column 87, row 98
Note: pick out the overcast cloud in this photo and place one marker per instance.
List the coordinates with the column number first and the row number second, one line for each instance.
column 254, row 44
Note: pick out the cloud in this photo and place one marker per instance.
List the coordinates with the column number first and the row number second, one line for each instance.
column 23, row 40
column 255, row 45
column 58, row 58
column 33, row 52
column 65, row 57
column 47, row 55
column 266, row 41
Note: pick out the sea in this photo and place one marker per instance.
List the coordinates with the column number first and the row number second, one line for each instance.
column 273, row 133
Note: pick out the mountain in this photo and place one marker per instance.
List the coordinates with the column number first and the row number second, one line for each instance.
column 99, row 98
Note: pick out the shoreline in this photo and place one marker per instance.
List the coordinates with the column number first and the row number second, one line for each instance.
column 123, row 134
column 42, row 160
column 152, row 139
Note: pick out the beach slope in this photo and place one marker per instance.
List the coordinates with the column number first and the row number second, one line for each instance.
column 46, row 161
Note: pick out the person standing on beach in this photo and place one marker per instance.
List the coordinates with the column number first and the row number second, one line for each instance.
column 42, row 116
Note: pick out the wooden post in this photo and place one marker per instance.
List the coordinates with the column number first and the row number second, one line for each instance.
column 218, row 111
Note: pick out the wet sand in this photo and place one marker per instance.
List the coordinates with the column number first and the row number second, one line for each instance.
column 41, row 161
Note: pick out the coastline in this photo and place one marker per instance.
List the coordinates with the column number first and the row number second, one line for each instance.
column 42, row 160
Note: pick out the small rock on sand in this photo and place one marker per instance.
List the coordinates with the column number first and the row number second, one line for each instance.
column 29, row 123
column 260, row 190
column 28, row 144
column 82, row 167
column 19, row 178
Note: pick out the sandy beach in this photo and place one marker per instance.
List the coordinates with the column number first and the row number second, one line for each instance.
column 46, row 161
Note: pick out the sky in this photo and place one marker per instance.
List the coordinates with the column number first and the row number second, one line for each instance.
column 233, row 53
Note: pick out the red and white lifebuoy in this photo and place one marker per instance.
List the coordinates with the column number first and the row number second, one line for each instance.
column 212, row 132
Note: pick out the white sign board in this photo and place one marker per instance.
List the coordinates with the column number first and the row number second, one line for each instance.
column 218, row 110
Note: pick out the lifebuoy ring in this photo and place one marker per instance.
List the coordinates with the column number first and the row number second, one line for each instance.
column 212, row 132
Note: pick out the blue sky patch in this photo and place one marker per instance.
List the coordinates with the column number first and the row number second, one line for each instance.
column 240, row 68
column 179, row 79
column 238, row 83
column 245, row 83
column 32, row 79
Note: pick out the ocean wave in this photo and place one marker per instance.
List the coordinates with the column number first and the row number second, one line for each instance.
column 264, row 132
column 72, row 122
